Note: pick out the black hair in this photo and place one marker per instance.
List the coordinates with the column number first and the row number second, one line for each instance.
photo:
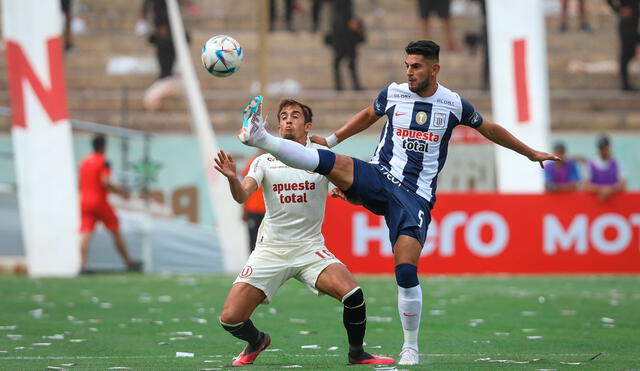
column 426, row 48
column 98, row 142
column 559, row 146
column 603, row 141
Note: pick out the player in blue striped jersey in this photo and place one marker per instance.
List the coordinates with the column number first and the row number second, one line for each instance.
column 400, row 181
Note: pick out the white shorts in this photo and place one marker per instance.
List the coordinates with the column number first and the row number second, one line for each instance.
column 268, row 268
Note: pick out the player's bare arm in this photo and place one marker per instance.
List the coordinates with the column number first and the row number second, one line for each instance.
column 359, row 122
column 501, row 136
column 112, row 187
column 226, row 165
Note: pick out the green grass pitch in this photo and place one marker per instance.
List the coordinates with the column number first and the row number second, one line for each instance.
column 468, row 323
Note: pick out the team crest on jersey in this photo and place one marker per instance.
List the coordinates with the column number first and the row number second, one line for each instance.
column 421, row 118
column 438, row 120
column 246, row 271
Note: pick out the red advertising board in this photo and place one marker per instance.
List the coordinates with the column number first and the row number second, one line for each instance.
column 498, row 233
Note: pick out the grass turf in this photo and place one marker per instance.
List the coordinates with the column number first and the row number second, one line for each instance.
column 468, row 323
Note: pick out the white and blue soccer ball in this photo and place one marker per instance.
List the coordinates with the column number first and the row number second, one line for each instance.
column 222, row 55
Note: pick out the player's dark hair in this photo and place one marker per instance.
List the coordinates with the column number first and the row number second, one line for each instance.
column 603, row 141
column 306, row 110
column 426, row 48
column 559, row 146
column 98, row 142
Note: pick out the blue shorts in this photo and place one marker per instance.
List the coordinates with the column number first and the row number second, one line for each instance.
column 404, row 211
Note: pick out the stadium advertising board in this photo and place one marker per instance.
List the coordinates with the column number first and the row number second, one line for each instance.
column 520, row 91
column 41, row 136
column 497, row 233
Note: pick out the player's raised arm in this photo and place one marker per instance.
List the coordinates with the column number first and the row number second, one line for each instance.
column 501, row 136
column 359, row 122
column 226, row 165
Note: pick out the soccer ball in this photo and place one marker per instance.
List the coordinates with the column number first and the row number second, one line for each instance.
column 221, row 55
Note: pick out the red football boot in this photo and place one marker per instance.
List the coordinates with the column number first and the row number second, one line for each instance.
column 245, row 358
column 369, row 359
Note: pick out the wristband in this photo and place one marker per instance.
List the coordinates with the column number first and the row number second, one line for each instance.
column 332, row 140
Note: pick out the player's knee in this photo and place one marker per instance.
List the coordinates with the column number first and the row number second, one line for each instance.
column 325, row 162
column 407, row 275
column 229, row 324
column 353, row 298
column 229, row 318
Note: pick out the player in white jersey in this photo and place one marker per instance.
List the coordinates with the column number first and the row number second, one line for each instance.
column 400, row 181
column 290, row 243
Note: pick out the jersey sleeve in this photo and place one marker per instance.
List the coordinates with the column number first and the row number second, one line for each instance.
column 256, row 170
column 470, row 117
column 380, row 104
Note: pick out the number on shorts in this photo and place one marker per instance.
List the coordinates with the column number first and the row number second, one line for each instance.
column 420, row 215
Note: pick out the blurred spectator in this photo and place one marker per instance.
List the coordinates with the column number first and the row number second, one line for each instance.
column 288, row 14
column 345, row 35
column 480, row 39
column 316, row 9
column 94, row 188
column 628, row 14
column 561, row 176
column 441, row 7
column 65, row 5
column 605, row 174
column 161, row 35
column 564, row 15
column 253, row 209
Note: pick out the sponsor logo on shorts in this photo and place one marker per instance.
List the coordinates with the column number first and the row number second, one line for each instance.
column 246, row 271
column 390, row 176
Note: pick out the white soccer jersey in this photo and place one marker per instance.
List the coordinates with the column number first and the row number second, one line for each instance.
column 294, row 199
column 414, row 141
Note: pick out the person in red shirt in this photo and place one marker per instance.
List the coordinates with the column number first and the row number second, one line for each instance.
column 253, row 209
column 94, row 187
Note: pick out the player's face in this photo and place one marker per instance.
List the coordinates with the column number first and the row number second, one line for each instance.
column 292, row 124
column 421, row 72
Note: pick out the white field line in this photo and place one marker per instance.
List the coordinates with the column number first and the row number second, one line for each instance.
column 334, row 354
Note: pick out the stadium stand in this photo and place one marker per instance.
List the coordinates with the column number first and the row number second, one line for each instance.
column 582, row 68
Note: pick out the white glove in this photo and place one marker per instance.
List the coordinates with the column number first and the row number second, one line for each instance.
column 141, row 28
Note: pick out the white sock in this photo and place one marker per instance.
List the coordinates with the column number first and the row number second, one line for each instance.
column 289, row 152
column 410, row 309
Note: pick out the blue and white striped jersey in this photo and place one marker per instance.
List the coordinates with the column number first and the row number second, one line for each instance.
column 414, row 141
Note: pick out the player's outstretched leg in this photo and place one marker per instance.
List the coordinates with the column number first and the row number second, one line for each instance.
column 289, row 152
column 257, row 341
column 354, row 318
